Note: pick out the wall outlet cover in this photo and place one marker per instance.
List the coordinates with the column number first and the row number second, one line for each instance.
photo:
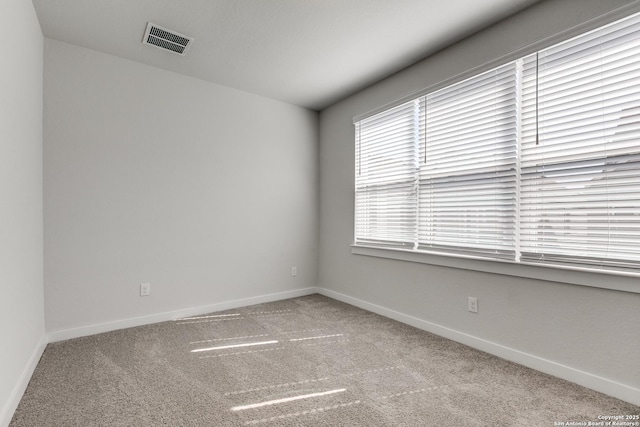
column 145, row 289
column 473, row 304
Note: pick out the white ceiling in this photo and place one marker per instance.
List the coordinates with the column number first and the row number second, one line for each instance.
column 306, row 52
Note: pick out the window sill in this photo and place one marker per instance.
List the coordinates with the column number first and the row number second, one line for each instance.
column 604, row 279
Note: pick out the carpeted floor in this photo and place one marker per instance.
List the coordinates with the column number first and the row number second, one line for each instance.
column 309, row 361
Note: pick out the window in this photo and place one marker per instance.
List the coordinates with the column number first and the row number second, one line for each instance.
column 387, row 162
column 467, row 173
column 537, row 160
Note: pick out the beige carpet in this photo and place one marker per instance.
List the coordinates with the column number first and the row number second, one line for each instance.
column 309, row 361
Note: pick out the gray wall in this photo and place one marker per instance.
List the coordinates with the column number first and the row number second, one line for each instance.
column 208, row 193
column 586, row 329
column 21, row 300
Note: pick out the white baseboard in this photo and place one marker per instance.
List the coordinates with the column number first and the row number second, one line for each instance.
column 19, row 389
column 83, row 331
column 585, row 379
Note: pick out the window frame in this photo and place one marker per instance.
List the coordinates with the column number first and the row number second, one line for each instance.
column 591, row 276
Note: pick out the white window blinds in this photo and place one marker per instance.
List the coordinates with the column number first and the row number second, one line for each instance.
column 537, row 160
column 581, row 172
column 386, row 187
column 467, row 180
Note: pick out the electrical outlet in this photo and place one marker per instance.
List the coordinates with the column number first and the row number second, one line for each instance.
column 145, row 289
column 294, row 271
column 473, row 304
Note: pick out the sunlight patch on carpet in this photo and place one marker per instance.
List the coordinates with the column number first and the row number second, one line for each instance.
column 287, row 399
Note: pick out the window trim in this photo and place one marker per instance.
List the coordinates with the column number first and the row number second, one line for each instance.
column 591, row 277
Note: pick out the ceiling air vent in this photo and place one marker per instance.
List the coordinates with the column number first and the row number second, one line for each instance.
column 166, row 39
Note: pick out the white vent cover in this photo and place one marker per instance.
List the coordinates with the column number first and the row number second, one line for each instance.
column 164, row 38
